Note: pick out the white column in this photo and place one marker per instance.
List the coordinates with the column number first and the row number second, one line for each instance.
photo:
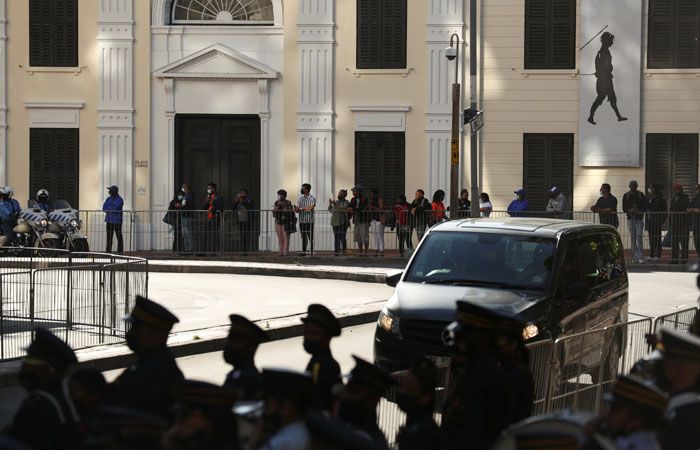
column 315, row 124
column 116, row 97
column 444, row 18
column 3, row 94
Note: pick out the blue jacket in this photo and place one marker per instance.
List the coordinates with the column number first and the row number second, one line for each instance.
column 516, row 207
column 16, row 209
column 6, row 209
column 111, row 205
column 44, row 206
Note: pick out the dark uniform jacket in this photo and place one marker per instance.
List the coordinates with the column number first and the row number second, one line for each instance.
column 44, row 421
column 679, row 220
column 656, row 205
column 683, row 417
column 420, row 432
column 369, row 429
column 325, row 373
column 245, row 380
column 148, row 385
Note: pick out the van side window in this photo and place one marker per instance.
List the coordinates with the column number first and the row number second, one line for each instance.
column 570, row 269
column 602, row 258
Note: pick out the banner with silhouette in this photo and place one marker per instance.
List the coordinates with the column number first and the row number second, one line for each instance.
column 610, row 83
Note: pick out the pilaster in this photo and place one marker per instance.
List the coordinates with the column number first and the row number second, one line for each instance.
column 444, row 18
column 116, row 97
column 315, row 122
column 3, row 94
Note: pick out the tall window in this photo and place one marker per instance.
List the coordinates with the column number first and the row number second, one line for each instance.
column 53, row 162
column 381, row 34
column 218, row 12
column 548, row 160
column 672, row 158
column 550, row 34
column 674, row 34
column 53, row 33
column 380, row 163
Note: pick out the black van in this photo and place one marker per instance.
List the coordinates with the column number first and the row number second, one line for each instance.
column 559, row 276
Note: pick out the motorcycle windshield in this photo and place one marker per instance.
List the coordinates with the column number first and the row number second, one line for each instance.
column 31, row 204
column 61, row 204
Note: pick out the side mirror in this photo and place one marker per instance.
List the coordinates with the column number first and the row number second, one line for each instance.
column 578, row 291
column 393, row 280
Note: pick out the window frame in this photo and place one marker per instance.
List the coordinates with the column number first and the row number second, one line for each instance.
column 55, row 135
column 548, row 169
column 53, row 43
column 237, row 23
column 381, row 64
column 651, row 63
column 550, row 65
column 381, row 136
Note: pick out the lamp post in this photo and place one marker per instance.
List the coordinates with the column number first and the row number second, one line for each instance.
column 452, row 53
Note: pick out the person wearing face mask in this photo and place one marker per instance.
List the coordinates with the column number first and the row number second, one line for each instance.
column 147, row 384
column 518, row 206
column 283, row 424
column 606, row 207
column 679, row 225
column 320, row 326
column 114, row 217
column 244, row 208
column 243, row 340
column 416, row 397
column 358, row 402
column 305, row 208
column 634, row 204
column 285, row 221
column 46, row 418
column 657, row 214
column 465, row 205
column 184, row 204
column 635, row 413
column 214, row 206
column 340, row 221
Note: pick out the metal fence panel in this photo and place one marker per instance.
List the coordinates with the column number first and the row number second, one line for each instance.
column 677, row 321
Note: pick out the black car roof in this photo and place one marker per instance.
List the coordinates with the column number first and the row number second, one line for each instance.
column 541, row 227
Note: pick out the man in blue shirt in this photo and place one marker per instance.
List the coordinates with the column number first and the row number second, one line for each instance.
column 518, row 206
column 113, row 207
column 7, row 215
column 42, row 199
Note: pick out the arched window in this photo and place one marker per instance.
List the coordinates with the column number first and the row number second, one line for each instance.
column 223, row 12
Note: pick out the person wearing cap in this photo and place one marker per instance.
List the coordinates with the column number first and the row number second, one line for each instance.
column 557, row 204
column 420, row 211
column 635, row 413
column 358, row 402
column 320, row 326
column 657, row 214
column 680, row 377
column 283, row 425
column 694, row 212
column 416, row 397
column 518, row 206
column 204, row 418
column 113, row 207
column 634, row 204
column 679, row 225
column 46, row 418
column 360, row 218
column 242, row 343
column 148, row 383
column 606, row 207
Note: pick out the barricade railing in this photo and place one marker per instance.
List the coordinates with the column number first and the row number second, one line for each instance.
column 81, row 297
column 94, row 226
column 679, row 321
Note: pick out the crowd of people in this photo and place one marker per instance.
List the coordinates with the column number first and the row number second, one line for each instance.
column 151, row 405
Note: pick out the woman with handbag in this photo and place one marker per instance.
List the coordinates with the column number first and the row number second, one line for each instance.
column 284, row 221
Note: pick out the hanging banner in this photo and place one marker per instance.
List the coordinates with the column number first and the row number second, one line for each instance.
column 610, row 83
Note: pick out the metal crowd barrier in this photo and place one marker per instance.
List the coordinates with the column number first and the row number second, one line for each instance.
column 572, row 372
column 81, row 297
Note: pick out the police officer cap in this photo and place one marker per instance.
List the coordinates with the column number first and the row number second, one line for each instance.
column 240, row 326
column 546, row 441
column 204, row 395
column 113, row 188
column 48, row 348
column 282, row 383
column 679, row 345
column 484, row 319
column 329, row 431
column 322, row 316
column 639, row 394
column 151, row 313
column 371, row 376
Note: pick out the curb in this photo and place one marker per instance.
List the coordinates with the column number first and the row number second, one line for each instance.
column 188, row 343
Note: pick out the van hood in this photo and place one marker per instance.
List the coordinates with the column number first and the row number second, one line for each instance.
column 435, row 302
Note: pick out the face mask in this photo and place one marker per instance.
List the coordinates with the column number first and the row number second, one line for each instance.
column 313, row 348
column 233, row 357
column 180, row 197
column 302, row 192
column 132, row 341
column 279, row 197
column 353, row 412
column 407, row 403
column 183, row 189
column 209, row 191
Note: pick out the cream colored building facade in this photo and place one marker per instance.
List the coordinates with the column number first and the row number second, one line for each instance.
column 149, row 88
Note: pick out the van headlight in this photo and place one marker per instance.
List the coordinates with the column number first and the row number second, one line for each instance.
column 530, row 332
column 388, row 322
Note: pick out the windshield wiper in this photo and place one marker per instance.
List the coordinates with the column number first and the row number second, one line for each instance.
column 463, row 282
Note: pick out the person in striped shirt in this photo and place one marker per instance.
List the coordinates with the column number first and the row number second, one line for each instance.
column 305, row 208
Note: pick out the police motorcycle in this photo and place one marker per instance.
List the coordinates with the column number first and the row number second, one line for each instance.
column 66, row 223
column 33, row 230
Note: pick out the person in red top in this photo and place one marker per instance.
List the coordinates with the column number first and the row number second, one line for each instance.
column 438, row 214
column 214, row 206
column 403, row 228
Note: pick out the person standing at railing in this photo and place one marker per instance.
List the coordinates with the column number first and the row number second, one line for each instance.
column 557, row 205
column 377, row 219
column 657, row 213
column 420, row 210
column 305, row 208
column 465, row 205
column 634, row 203
column 439, row 213
column 518, row 207
column 6, row 214
column 283, row 214
column 485, row 205
column 694, row 211
column 606, row 207
column 184, row 205
column 360, row 218
column 245, row 217
column 114, row 218
column 340, row 221
column 214, row 205
column 679, row 225
column 403, row 229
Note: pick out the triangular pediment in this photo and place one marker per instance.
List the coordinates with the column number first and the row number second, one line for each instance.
column 217, row 62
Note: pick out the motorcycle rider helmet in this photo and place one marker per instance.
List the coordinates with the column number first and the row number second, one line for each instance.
column 5, row 190
column 42, row 195
column 10, row 191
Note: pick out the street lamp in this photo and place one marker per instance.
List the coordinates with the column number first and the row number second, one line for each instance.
column 452, row 53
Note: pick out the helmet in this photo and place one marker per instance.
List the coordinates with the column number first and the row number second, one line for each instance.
column 42, row 193
column 5, row 190
column 10, row 191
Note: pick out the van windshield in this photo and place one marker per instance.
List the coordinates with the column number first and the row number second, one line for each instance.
column 489, row 259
